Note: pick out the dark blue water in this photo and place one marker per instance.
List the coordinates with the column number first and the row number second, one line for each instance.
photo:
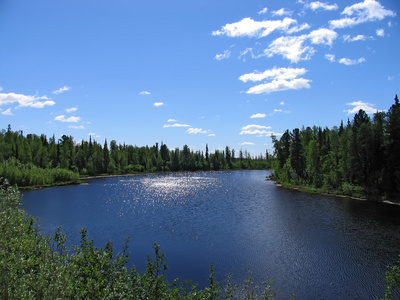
column 312, row 246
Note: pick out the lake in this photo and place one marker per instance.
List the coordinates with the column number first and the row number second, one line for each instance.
column 312, row 246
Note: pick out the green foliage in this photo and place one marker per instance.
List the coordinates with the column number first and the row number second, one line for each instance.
column 361, row 159
column 36, row 161
column 36, row 267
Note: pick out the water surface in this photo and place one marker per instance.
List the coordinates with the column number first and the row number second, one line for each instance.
column 312, row 246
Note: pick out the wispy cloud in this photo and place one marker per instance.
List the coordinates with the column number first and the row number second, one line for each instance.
column 351, row 62
column 195, row 131
column 258, row 116
column 263, row 11
column 281, row 12
column 76, row 127
column 25, row 100
column 380, row 32
column 7, row 112
column 61, row 90
column 321, row 5
column 211, row 134
column 176, row 125
column 367, row 11
column 72, row 109
column 360, row 37
column 225, row 55
column 344, row 60
column 172, row 120
column 157, row 104
column 281, row 79
column 247, row 144
column 71, row 119
column 367, row 107
column 144, row 93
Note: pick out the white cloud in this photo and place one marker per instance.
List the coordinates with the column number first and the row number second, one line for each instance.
column 282, row 79
column 274, row 73
column 280, row 85
column 367, row 11
column 282, row 12
column 195, row 131
column 263, row 11
column 176, row 125
column 157, row 104
column 351, row 62
column 282, row 103
column 259, row 130
column 322, row 36
column 211, row 134
column 7, row 112
column 25, row 100
column 291, row 48
column 320, row 5
column 76, row 127
column 224, row 55
column 258, row 116
column 172, row 120
column 298, row 28
column 1, row 88
column 71, row 119
column 246, row 144
column 330, row 57
column 360, row 37
column 249, row 27
column 380, row 32
column 367, row 107
column 62, row 90
column 72, row 109
column 144, row 93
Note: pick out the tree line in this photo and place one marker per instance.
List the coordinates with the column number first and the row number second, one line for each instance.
column 38, row 160
column 361, row 158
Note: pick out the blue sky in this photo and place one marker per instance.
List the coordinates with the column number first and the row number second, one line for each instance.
column 226, row 73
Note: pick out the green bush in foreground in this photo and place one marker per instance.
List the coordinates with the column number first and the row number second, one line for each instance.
column 33, row 266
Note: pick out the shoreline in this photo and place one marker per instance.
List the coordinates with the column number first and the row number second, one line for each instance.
column 309, row 190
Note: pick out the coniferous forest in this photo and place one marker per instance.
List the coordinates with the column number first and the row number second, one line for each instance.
column 360, row 158
column 34, row 160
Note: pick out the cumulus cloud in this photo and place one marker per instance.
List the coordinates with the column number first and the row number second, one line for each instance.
column 61, row 90
column 280, row 79
column 224, row 55
column 330, row 57
column 176, row 125
column 367, row 11
column 351, row 62
column 249, row 27
column 258, row 116
column 322, row 36
column 259, row 130
column 144, row 93
column 246, row 144
column 195, row 131
column 7, row 112
column 291, row 48
column 25, row 100
column 157, row 104
column 367, row 107
column 71, row 119
column 321, row 5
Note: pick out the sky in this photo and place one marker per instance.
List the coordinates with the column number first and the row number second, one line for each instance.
column 223, row 73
